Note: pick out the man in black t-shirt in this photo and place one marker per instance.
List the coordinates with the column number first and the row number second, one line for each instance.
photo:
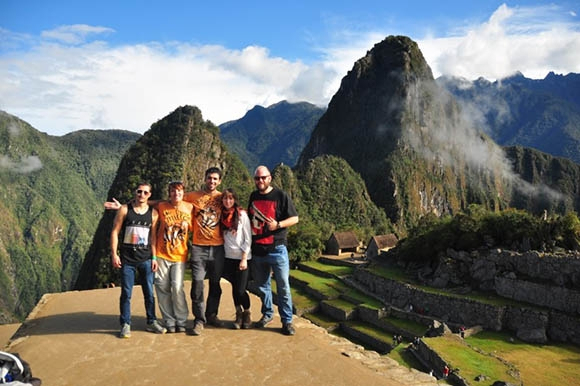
column 136, row 222
column 271, row 212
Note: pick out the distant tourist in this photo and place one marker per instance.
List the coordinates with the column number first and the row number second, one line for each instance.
column 207, row 252
column 445, row 371
column 271, row 213
column 237, row 232
column 136, row 222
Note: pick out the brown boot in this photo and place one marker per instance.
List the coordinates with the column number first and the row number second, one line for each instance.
column 238, row 321
column 246, row 319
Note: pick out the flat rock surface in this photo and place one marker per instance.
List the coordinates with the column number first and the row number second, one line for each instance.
column 71, row 338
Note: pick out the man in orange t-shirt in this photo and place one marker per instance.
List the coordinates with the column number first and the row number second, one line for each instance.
column 207, row 253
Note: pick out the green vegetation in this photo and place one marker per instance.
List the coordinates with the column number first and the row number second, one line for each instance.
column 273, row 135
column 476, row 227
column 329, row 197
column 546, row 365
column 336, row 270
column 417, row 329
column 469, row 363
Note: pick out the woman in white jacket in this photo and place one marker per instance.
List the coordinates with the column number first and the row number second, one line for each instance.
column 237, row 233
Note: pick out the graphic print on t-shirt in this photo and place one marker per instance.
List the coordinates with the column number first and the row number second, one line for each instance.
column 260, row 211
column 207, row 215
column 176, row 229
column 137, row 234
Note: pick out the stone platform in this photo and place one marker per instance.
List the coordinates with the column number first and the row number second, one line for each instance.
column 71, row 339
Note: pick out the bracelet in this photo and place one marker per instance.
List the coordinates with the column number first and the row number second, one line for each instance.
column 153, row 257
column 278, row 225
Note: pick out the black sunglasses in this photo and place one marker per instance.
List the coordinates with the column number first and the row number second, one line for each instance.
column 145, row 192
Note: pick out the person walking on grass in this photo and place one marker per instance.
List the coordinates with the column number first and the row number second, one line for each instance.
column 136, row 222
column 237, row 232
column 271, row 212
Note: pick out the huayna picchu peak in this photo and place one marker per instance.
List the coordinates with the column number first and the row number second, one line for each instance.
column 416, row 149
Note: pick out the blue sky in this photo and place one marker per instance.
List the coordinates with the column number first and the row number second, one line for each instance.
column 70, row 65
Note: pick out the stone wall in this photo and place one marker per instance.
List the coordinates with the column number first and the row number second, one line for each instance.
column 529, row 323
column 559, row 298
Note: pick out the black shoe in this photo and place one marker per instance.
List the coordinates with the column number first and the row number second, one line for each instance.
column 264, row 321
column 287, row 329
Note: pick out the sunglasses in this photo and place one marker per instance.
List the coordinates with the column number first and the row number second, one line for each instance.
column 143, row 192
column 258, row 178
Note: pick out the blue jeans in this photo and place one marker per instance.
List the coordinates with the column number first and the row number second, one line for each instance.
column 146, row 277
column 277, row 262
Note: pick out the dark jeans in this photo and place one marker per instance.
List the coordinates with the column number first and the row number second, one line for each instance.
column 206, row 261
column 239, row 280
column 146, row 277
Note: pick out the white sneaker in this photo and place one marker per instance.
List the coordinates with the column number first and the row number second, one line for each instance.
column 156, row 328
column 125, row 331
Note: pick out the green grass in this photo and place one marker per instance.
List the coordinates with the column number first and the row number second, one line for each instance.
column 471, row 363
column 361, row 298
column 336, row 270
column 321, row 320
column 542, row 365
column 341, row 304
column 330, row 287
column 414, row 328
column 405, row 358
column 372, row 331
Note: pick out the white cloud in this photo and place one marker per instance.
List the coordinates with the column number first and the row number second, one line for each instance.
column 25, row 165
column 74, row 34
column 65, row 81
column 533, row 41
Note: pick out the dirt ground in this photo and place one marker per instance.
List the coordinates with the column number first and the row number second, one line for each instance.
column 71, row 338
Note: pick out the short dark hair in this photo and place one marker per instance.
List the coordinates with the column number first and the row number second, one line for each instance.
column 144, row 183
column 212, row 170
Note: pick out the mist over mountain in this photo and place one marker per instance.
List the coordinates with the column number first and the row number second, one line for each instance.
column 51, row 199
column 272, row 135
column 541, row 114
column 413, row 145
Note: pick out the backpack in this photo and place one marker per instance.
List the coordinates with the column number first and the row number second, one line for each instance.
column 15, row 371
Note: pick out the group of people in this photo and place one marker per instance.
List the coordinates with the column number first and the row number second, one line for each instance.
column 152, row 239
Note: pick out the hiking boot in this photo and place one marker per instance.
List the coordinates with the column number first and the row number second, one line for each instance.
column 197, row 328
column 264, row 321
column 287, row 329
column 246, row 319
column 180, row 328
column 125, row 331
column 239, row 314
column 156, row 328
column 213, row 320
